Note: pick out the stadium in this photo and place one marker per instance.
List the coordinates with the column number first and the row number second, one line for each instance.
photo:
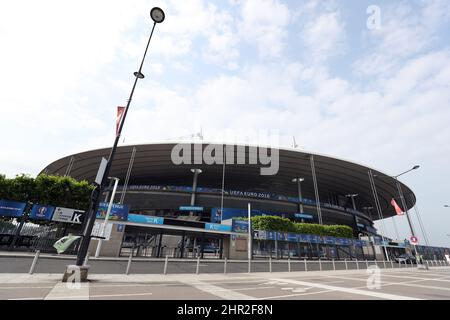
column 185, row 209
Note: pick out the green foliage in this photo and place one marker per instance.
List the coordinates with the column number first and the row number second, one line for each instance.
column 48, row 190
column 275, row 223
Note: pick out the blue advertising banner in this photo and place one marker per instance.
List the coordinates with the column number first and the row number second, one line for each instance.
column 303, row 216
column 217, row 227
column 329, row 240
column 240, row 226
column 139, row 218
column 11, row 208
column 119, row 212
column 191, row 208
column 41, row 212
column 281, row 236
column 314, row 239
column 292, row 237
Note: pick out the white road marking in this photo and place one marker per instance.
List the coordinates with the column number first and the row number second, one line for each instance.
column 220, row 292
column 417, row 278
column 349, row 290
column 11, row 288
column 63, row 291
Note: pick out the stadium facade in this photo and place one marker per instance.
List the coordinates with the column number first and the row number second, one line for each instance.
column 183, row 209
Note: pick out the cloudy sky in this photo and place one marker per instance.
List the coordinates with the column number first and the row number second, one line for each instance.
column 310, row 69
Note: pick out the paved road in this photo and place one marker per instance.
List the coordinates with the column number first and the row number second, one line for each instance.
column 353, row 284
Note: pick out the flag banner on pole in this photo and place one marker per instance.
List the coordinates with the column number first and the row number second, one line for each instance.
column 120, row 113
column 64, row 243
column 397, row 208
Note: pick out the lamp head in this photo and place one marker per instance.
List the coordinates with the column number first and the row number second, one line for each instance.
column 157, row 15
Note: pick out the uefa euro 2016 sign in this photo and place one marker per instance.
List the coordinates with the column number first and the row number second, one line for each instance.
column 41, row 212
column 119, row 212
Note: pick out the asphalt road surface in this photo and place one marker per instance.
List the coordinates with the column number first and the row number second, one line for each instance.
column 390, row 284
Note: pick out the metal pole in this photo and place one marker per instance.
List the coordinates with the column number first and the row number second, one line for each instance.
column 127, row 272
column 96, row 194
column 225, row 266
column 198, row 266
column 289, row 264
column 35, row 260
column 223, row 185
column 250, row 246
column 400, row 192
column 127, row 178
column 357, row 264
column 270, row 264
column 346, row 264
column 320, row 264
column 378, row 207
column 316, row 189
column 108, row 212
column 306, row 265
column 166, row 262
column 334, row 265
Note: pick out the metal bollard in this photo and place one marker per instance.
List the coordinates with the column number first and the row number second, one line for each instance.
column 306, row 265
column 334, row 265
column 357, row 264
column 346, row 264
column 166, row 262
column 197, row 269
column 127, row 272
column 86, row 260
column 320, row 264
column 384, row 264
column 367, row 264
column 249, row 266
column 289, row 264
column 392, row 264
column 225, row 266
column 270, row 264
column 35, row 260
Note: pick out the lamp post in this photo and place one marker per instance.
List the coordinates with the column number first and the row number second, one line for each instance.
column 405, row 208
column 157, row 16
column 299, row 181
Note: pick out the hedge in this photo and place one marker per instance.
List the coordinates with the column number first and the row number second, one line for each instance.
column 275, row 223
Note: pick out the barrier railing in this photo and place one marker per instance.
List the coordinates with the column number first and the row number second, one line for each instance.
column 197, row 266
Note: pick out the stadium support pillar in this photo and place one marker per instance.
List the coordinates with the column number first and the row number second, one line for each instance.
column 194, row 188
column 316, row 189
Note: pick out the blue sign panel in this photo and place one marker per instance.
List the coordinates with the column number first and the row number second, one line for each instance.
column 292, row 237
column 314, row 239
column 139, row 218
column 328, row 240
column 40, row 212
column 271, row 235
column 119, row 212
column 191, row 208
column 217, row 227
column 303, row 216
column 240, row 226
column 11, row 208
column 281, row 236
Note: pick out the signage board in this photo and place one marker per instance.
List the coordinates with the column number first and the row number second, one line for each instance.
column 41, row 212
column 68, row 215
column 303, row 216
column 12, row 208
column 119, row 212
column 97, row 230
column 217, row 227
column 139, row 218
column 240, row 226
column 191, row 208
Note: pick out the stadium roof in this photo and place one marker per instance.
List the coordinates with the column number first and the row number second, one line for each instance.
column 153, row 165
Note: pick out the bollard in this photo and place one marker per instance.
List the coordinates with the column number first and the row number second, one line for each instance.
column 127, row 272
column 289, row 264
column 346, row 264
column 320, row 264
column 334, row 266
column 384, row 264
column 35, row 260
column 166, row 262
column 367, row 264
column 197, row 269
column 225, row 266
column 392, row 264
column 86, row 260
column 249, row 266
column 270, row 264
column 306, row 265
column 357, row 264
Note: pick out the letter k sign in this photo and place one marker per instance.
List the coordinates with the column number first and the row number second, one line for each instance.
column 76, row 217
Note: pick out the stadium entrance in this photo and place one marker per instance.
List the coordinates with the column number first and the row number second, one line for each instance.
column 172, row 243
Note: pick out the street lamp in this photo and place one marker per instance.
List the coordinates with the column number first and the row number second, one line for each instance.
column 157, row 16
column 299, row 190
column 402, row 198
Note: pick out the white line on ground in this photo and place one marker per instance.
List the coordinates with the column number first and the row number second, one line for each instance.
column 348, row 290
column 220, row 292
column 79, row 291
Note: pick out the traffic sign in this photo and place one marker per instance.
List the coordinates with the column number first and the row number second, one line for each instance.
column 414, row 240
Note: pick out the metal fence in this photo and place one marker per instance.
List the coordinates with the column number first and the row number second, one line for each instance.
column 41, row 263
